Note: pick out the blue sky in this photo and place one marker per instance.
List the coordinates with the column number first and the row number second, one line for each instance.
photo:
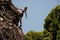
column 37, row 12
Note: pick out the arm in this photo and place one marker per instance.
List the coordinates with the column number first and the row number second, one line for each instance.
column 26, row 14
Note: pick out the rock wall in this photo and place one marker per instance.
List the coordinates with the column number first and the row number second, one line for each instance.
column 8, row 25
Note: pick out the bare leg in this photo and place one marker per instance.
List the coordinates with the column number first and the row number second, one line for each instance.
column 20, row 21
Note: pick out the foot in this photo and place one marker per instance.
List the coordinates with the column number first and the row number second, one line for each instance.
column 20, row 25
column 20, row 28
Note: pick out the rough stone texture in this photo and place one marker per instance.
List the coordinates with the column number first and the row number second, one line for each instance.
column 8, row 26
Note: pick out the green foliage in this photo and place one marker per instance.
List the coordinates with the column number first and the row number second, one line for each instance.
column 46, row 35
column 28, row 37
column 58, row 35
column 46, row 38
column 52, row 21
column 34, row 35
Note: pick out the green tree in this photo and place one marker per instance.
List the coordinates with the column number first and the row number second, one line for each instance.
column 52, row 22
column 31, row 35
column 46, row 35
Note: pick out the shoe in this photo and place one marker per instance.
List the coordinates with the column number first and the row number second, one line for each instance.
column 20, row 25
